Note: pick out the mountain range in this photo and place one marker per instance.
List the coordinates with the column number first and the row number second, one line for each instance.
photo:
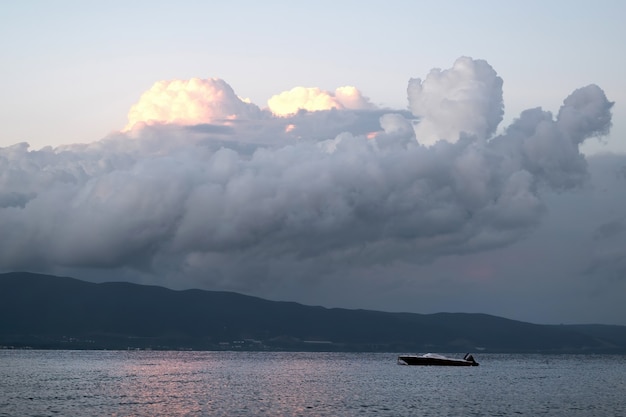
column 50, row 312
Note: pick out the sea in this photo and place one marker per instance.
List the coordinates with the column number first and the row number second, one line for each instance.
column 172, row 383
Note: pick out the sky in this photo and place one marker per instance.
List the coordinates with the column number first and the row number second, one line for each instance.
column 400, row 156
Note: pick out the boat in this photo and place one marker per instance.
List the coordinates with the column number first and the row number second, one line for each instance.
column 433, row 359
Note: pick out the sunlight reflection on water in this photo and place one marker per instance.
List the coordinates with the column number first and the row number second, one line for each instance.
column 304, row 384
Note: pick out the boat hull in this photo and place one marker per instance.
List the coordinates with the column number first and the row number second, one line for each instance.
column 435, row 361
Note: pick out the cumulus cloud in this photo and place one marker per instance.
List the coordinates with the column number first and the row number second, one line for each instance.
column 242, row 207
column 548, row 147
column 466, row 98
column 190, row 102
column 315, row 99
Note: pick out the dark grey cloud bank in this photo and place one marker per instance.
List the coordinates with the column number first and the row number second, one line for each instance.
column 344, row 208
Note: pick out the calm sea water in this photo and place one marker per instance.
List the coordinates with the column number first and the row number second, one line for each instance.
column 120, row 383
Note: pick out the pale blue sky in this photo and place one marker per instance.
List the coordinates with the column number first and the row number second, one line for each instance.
column 71, row 69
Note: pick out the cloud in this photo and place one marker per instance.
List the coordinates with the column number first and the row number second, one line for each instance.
column 607, row 253
column 14, row 199
column 315, row 99
column 466, row 98
column 210, row 191
column 190, row 102
column 548, row 148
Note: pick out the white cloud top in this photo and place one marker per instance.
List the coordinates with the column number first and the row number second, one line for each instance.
column 466, row 98
column 315, row 99
column 189, row 102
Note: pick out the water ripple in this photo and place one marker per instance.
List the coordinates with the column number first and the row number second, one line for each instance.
column 99, row 383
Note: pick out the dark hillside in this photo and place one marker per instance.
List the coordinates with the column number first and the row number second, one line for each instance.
column 54, row 312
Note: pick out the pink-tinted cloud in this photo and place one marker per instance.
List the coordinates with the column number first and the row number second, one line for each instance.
column 189, row 102
column 315, row 99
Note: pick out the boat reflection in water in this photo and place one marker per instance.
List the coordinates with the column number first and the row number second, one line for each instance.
column 432, row 359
